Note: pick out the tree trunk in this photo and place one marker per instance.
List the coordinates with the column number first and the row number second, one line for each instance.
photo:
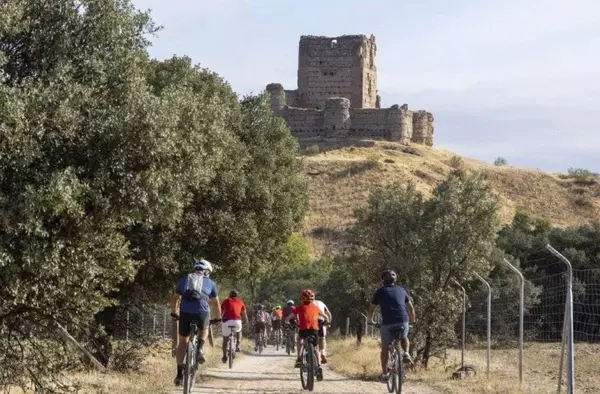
column 428, row 347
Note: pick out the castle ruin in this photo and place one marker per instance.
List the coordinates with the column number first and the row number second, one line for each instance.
column 337, row 95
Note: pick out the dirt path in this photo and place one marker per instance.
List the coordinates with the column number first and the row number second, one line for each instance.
column 274, row 372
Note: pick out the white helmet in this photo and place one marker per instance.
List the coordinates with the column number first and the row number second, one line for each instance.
column 290, row 302
column 202, row 265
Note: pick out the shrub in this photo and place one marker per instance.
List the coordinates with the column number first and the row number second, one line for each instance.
column 500, row 161
column 456, row 162
column 312, row 150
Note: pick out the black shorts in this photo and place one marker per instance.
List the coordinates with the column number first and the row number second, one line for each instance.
column 322, row 330
column 307, row 333
column 276, row 324
column 202, row 320
column 259, row 327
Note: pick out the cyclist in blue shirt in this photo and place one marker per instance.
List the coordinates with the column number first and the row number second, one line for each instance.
column 397, row 311
column 195, row 293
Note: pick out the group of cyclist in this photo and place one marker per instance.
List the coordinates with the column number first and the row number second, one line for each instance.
column 196, row 293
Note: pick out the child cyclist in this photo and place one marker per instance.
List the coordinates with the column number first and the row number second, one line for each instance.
column 308, row 324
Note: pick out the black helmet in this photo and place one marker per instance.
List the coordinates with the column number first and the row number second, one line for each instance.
column 388, row 277
column 260, row 307
column 234, row 293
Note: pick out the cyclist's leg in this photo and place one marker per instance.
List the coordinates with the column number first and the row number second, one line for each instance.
column 322, row 334
column 203, row 322
column 238, row 337
column 225, row 331
column 184, row 334
column 404, row 340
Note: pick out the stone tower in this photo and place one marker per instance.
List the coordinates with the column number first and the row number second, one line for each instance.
column 337, row 67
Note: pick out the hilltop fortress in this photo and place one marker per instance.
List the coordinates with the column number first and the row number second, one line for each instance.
column 337, row 95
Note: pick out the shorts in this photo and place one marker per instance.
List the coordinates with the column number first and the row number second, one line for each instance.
column 202, row 320
column 322, row 329
column 259, row 327
column 391, row 332
column 276, row 324
column 225, row 327
column 307, row 333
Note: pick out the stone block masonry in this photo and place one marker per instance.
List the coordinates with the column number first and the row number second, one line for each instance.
column 337, row 95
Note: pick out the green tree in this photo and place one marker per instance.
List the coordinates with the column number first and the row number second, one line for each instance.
column 430, row 243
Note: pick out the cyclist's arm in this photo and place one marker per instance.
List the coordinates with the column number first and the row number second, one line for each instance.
column 372, row 308
column 411, row 312
column 175, row 303
column 328, row 313
column 290, row 317
column 324, row 316
column 215, row 304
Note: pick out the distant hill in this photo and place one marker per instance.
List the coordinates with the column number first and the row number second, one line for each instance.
column 341, row 180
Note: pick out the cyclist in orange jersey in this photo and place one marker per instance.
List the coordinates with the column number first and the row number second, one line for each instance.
column 308, row 324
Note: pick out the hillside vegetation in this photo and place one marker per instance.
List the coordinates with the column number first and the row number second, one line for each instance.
column 341, row 180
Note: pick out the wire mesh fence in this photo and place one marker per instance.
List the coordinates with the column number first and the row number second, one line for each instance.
column 544, row 314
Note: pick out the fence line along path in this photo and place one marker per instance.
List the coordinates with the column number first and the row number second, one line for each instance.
column 274, row 372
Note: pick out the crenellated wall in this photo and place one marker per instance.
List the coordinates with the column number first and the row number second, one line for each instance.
column 337, row 95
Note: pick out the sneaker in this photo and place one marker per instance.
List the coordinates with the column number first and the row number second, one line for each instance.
column 323, row 359
column 298, row 363
column 384, row 377
column 256, row 348
column 237, row 349
column 406, row 358
column 224, row 359
column 319, row 374
column 200, row 357
column 178, row 380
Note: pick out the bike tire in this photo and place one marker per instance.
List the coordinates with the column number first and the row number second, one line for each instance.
column 400, row 374
column 391, row 382
column 304, row 370
column 277, row 339
column 261, row 339
column 188, row 369
column 288, row 346
column 310, row 384
column 231, row 351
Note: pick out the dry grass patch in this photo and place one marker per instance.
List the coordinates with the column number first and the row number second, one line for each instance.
column 541, row 363
column 341, row 180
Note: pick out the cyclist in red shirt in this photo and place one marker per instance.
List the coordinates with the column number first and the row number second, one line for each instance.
column 308, row 325
column 233, row 308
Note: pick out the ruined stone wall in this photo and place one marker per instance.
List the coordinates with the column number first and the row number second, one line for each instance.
column 304, row 122
column 335, row 67
column 423, row 128
column 291, row 97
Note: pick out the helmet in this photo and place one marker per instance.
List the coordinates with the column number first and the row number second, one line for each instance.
column 388, row 277
column 234, row 293
column 276, row 307
column 290, row 302
column 202, row 265
column 307, row 296
column 260, row 307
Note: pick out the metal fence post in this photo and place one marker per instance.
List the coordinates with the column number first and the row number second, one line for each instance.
column 142, row 324
column 489, row 322
column 464, row 320
column 521, row 309
column 127, row 327
column 165, row 324
column 153, row 324
column 569, row 322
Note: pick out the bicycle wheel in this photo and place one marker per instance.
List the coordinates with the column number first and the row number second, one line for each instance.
column 189, row 373
column 231, row 350
column 261, row 342
column 277, row 340
column 304, row 369
column 310, row 358
column 400, row 372
column 288, row 345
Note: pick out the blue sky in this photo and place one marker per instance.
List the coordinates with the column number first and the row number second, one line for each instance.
column 513, row 78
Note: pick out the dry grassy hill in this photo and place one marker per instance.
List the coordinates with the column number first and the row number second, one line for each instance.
column 341, row 179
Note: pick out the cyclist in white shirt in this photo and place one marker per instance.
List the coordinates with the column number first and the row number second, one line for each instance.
column 322, row 329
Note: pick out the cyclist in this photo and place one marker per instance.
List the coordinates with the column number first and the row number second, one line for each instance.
column 397, row 311
column 195, row 294
column 293, row 323
column 276, row 316
column 323, row 329
column 308, row 321
column 259, row 320
column 233, row 308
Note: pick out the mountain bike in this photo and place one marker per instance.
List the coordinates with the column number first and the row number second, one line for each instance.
column 232, row 345
column 290, row 342
column 310, row 363
column 277, row 338
column 259, row 341
column 191, row 360
column 395, row 361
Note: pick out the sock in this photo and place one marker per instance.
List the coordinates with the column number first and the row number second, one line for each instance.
column 201, row 344
column 180, row 370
